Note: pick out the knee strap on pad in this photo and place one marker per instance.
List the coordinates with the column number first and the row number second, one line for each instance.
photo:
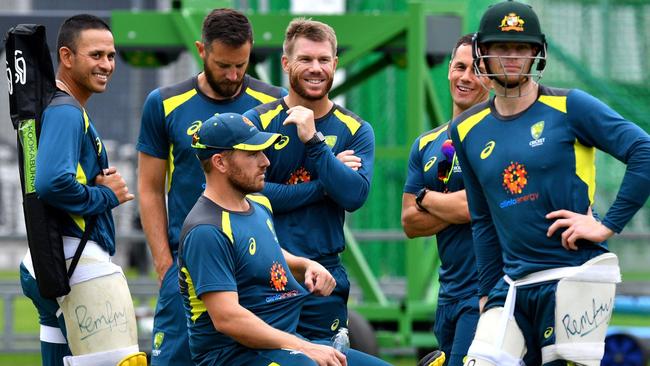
column 107, row 358
column 52, row 335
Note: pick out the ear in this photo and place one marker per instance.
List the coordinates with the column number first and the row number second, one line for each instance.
column 65, row 54
column 219, row 162
column 336, row 62
column 285, row 63
column 200, row 47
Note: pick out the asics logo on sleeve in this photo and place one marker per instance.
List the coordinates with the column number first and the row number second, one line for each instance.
column 488, row 149
column 98, row 142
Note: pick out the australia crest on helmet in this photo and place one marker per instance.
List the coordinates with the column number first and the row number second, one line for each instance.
column 512, row 22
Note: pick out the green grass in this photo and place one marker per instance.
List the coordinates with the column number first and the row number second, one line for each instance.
column 26, row 317
column 9, row 275
column 27, row 359
column 635, row 276
column 634, row 320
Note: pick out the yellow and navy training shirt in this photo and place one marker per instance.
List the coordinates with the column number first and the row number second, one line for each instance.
column 223, row 250
column 310, row 189
column 69, row 158
column 433, row 164
column 519, row 168
column 170, row 117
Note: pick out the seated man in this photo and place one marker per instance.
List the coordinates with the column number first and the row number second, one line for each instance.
column 241, row 299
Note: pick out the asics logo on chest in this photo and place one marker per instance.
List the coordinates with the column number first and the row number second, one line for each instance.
column 488, row 149
column 429, row 164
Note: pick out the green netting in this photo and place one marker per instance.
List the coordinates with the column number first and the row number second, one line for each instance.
column 599, row 46
column 603, row 48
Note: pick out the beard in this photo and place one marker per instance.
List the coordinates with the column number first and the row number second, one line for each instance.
column 242, row 183
column 294, row 81
column 224, row 88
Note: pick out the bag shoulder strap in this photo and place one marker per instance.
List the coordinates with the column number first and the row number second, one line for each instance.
column 62, row 98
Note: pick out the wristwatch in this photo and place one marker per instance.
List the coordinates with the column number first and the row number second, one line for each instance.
column 420, row 196
column 316, row 139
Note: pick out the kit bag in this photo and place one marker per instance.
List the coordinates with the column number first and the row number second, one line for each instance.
column 31, row 88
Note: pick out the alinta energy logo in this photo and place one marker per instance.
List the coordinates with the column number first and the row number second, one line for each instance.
column 301, row 175
column 278, row 277
column 515, row 179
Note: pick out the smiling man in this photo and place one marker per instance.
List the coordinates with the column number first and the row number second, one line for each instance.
column 321, row 167
column 168, row 168
column 434, row 203
column 73, row 177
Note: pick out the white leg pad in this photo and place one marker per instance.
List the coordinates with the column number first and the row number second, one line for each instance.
column 98, row 312
column 107, row 358
column 583, row 309
column 486, row 350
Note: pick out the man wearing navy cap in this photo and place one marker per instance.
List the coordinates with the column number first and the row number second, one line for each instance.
column 241, row 298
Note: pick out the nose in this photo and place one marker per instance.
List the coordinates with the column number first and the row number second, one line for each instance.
column 314, row 66
column 231, row 74
column 106, row 63
column 264, row 161
column 468, row 74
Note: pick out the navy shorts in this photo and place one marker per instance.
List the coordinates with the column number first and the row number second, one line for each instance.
column 321, row 316
column 170, row 341
column 535, row 315
column 455, row 327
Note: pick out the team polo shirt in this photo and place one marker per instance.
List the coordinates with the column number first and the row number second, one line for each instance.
column 170, row 117
column 519, row 168
column 223, row 250
column 309, row 188
column 433, row 164
column 69, row 158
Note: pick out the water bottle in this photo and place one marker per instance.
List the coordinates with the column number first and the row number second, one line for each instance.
column 341, row 341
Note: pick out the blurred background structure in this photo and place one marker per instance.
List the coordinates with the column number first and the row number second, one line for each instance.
column 398, row 83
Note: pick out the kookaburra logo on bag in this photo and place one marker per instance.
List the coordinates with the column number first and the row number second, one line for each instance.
column 20, row 76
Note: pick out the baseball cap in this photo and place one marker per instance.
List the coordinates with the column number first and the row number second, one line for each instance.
column 229, row 131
